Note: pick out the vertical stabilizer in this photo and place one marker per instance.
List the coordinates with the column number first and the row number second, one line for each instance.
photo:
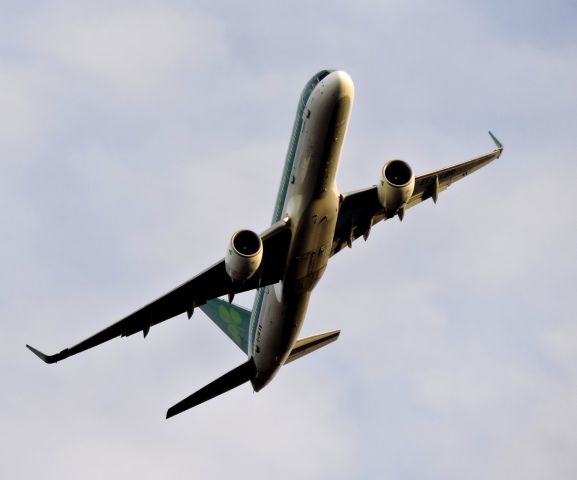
column 231, row 319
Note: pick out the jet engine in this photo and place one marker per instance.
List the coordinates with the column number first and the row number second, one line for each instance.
column 243, row 255
column 395, row 186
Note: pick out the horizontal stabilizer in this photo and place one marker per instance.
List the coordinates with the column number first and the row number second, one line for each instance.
column 228, row 381
column 304, row 346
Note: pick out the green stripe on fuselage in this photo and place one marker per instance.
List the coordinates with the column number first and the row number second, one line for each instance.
column 292, row 150
column 284, row 184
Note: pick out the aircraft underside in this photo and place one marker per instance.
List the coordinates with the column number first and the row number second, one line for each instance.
column 312, row 221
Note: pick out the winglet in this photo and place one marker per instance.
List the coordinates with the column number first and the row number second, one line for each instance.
column 497, row 142
column 48, row 358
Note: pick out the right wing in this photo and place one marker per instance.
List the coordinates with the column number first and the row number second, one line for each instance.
column 360, row 210
column 212, row 283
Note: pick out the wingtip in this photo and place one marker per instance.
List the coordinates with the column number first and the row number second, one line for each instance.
column 170, row 413
column 497, row 142
column 38, row 353
column 177, row 408
column 45, row 358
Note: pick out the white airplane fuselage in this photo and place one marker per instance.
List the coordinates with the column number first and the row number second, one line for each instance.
column 308, row 198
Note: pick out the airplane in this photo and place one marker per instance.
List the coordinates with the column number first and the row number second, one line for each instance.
column 312, row 221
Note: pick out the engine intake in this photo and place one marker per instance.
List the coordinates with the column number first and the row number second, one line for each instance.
column 395, row 186
column 243, row 255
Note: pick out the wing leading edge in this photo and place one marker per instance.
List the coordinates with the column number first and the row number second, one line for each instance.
column 360, row 210
column 212, row 283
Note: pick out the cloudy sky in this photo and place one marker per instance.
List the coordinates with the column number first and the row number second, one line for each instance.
column 136, row 136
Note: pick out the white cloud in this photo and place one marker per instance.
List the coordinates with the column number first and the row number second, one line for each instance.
column 130, row 51
column 138, row 135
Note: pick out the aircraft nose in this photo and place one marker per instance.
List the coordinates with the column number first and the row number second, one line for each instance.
column 340, row 83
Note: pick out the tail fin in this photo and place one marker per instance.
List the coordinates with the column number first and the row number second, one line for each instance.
column 231, row 319
column 228, row 381
column 304, row 346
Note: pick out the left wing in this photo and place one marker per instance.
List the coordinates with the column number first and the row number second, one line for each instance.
column 360, row 210
column 213, row 282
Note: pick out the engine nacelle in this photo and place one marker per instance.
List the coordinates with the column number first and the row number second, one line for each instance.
column 243, row 255
column 395, row 186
